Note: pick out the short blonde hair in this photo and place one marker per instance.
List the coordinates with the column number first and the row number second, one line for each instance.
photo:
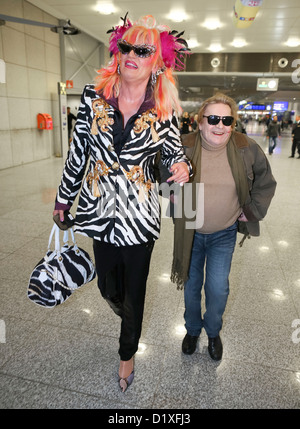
column 219, row 98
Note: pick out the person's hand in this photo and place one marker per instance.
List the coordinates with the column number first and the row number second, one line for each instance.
column 180, row 173
column 242, row 217
column 61, row 214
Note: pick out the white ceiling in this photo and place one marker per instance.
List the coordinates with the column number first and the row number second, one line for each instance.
column 275, row 23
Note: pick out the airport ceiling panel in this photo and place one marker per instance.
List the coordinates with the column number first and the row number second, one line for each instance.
column 212, row 33
column 205, row 22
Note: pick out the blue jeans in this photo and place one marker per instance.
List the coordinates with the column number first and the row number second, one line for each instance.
column 272, row 146
column 216, row 251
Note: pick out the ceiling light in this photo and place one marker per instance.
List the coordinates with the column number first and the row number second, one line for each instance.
column 212, row 24
column 215, row 47
column 293, row 42
column 192, row 43
column 177, row 15
column 105, row 8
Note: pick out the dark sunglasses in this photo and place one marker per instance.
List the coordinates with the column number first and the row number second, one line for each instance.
column 142, row 51
column 214, row 120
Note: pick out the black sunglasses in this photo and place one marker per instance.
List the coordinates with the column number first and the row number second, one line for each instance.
column 214, row 120
column 142, row 51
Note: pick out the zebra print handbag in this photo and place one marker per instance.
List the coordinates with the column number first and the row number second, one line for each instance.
column 60, row 272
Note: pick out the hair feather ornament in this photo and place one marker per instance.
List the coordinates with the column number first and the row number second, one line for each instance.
column 117, row 33
column 173, row 46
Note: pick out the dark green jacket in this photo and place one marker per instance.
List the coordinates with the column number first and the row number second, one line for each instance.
column 255, row 188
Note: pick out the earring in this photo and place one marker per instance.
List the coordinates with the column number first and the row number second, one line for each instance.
column 153, row 79
column 118, row 69
column 154, row 75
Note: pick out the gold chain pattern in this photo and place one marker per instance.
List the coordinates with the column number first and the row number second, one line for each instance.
column 101, row 117
column 142, row 123
column 92, row 178
column 136, row 175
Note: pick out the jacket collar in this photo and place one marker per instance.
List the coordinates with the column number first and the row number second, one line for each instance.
column 239, row 139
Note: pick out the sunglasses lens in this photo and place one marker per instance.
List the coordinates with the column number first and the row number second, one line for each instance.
column 123, row 48
column 227, row 120
column 213, row 119
column 142, row 52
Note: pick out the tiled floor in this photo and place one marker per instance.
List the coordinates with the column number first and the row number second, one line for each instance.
column 67, row 357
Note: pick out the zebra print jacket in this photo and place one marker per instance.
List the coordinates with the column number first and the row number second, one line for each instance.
column 118, row 201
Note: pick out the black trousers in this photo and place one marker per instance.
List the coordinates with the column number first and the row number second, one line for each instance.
column 295, row 145
column 122, row 277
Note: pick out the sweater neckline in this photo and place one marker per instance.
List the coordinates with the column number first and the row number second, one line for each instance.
column 211, row 147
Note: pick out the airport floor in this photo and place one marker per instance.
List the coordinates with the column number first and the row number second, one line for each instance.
column 67, row 357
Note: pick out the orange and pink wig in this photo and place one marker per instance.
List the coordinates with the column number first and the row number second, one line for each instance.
column 165, row 59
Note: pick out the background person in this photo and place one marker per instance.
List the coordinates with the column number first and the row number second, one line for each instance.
column 71, row 118
column 296, row 139
column 185, row 123
column 273, row 132
column 195, row 123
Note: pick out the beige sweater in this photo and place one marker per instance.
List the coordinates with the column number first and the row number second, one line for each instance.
column 220, row 207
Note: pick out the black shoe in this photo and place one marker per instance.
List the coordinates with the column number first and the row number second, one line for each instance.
column 215, row 348
column 292, row 156
column 189, row 344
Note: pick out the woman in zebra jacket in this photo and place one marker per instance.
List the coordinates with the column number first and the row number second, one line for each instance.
column 128, row 116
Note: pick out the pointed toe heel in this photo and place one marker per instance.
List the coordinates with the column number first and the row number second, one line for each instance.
column 126, row 382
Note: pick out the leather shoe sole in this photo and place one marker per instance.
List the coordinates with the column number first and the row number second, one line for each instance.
column 215, row 348
column 189, row 344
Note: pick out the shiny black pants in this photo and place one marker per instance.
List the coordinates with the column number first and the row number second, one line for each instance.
column 122, row 276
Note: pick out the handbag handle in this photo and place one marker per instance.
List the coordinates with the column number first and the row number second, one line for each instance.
column 55, row 230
